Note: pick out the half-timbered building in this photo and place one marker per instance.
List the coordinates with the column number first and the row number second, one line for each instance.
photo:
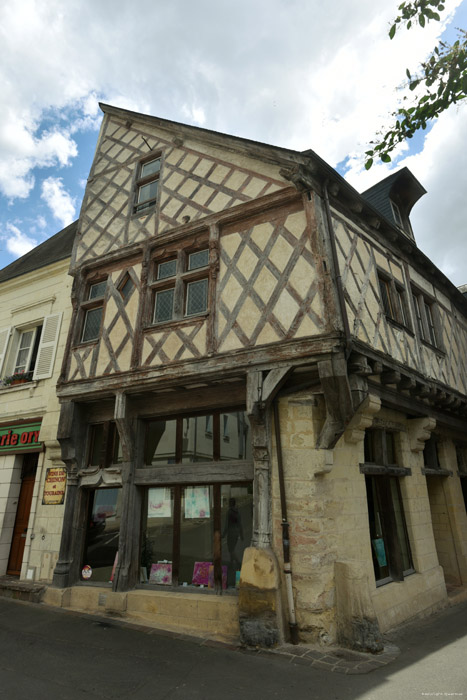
column 263, row 395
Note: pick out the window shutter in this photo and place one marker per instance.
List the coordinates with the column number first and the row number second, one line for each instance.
column 4, row 337
column 47, row 347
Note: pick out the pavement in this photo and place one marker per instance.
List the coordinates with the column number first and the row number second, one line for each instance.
column 55, row 653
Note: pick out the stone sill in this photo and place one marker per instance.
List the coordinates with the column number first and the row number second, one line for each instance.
column 18, row 387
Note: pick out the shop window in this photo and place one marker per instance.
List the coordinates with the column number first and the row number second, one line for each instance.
column 427, row 319
column 102, row 535
column 93, row 309
column 390, row 546
column 181, row 286
column 393, row 300
column 430, row 454
column 147, row 185
column 195, row 535
column 197, row 438
column 104, row 445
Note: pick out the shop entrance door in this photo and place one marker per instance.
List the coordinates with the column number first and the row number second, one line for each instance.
column 22, row 514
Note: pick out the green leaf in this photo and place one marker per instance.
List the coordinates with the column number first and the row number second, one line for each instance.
column 421, row 20
column 392, row 31
column 407, row 72
column 386, row 158
column 368, row 163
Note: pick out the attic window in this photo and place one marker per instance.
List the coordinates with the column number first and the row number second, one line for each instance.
column 147, row 184
column 396, row 212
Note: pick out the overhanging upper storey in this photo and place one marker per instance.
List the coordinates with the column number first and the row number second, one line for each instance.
column 395, row 196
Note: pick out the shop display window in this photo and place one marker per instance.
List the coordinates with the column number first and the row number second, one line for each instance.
column 104, row 445
column 102, row 535
column 219, row 436
column 194, row 535
column 390, row 548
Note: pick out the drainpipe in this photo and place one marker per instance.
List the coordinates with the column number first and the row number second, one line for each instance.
column 285, row 532
column 337, row 274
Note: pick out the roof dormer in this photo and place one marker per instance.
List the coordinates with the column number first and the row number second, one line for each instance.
column 394, row 197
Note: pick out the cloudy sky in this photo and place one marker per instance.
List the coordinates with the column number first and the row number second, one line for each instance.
column 295, row 73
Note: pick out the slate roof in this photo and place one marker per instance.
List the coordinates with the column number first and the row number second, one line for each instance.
column 55, row 248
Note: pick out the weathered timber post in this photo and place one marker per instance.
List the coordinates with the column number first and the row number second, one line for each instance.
column 71, row 440
column 126, row 571
column 259, row 590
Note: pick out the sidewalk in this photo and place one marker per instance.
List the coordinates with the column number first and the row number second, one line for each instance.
column 334, row 659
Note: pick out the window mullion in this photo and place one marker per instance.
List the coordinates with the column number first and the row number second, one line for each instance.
column 178, row 297
column 217, row 543
column 176, row 534
column 216, row 437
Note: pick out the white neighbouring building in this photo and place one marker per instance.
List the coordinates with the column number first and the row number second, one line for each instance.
column 35, row 311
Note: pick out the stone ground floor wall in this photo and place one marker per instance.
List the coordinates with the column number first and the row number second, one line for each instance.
column 207, row 615
column 45, row 523
column 328, row 514
column 42, row 539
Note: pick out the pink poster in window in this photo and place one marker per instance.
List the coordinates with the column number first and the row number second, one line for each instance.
column 161, row 574
column 201, row 573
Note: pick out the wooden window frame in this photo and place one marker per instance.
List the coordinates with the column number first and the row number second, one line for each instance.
column 141, row 208
column 378, row 470
column 208, row 472
column 426, row 314
column 33, row 350
column 393, row 300
column 179, row 475
column 89, row 304
column 110, row 443
column 179, row 282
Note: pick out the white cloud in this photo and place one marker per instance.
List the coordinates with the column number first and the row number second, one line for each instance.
column 296, row 73
column 18, row 243
column 61, row 204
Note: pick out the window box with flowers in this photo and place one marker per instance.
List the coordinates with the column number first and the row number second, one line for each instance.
column 16, row 378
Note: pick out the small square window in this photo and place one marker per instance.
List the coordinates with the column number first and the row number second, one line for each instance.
column 166, row 269
column 163, row 309
column 199, row 259
column 97, row 290
column 92, row 324
column 151, row 168
column 196, row 297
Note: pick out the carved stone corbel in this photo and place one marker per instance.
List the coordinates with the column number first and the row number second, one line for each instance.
column 362, row 419
column 420, row 430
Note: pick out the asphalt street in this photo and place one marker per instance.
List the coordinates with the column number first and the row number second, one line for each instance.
column 56, row 654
